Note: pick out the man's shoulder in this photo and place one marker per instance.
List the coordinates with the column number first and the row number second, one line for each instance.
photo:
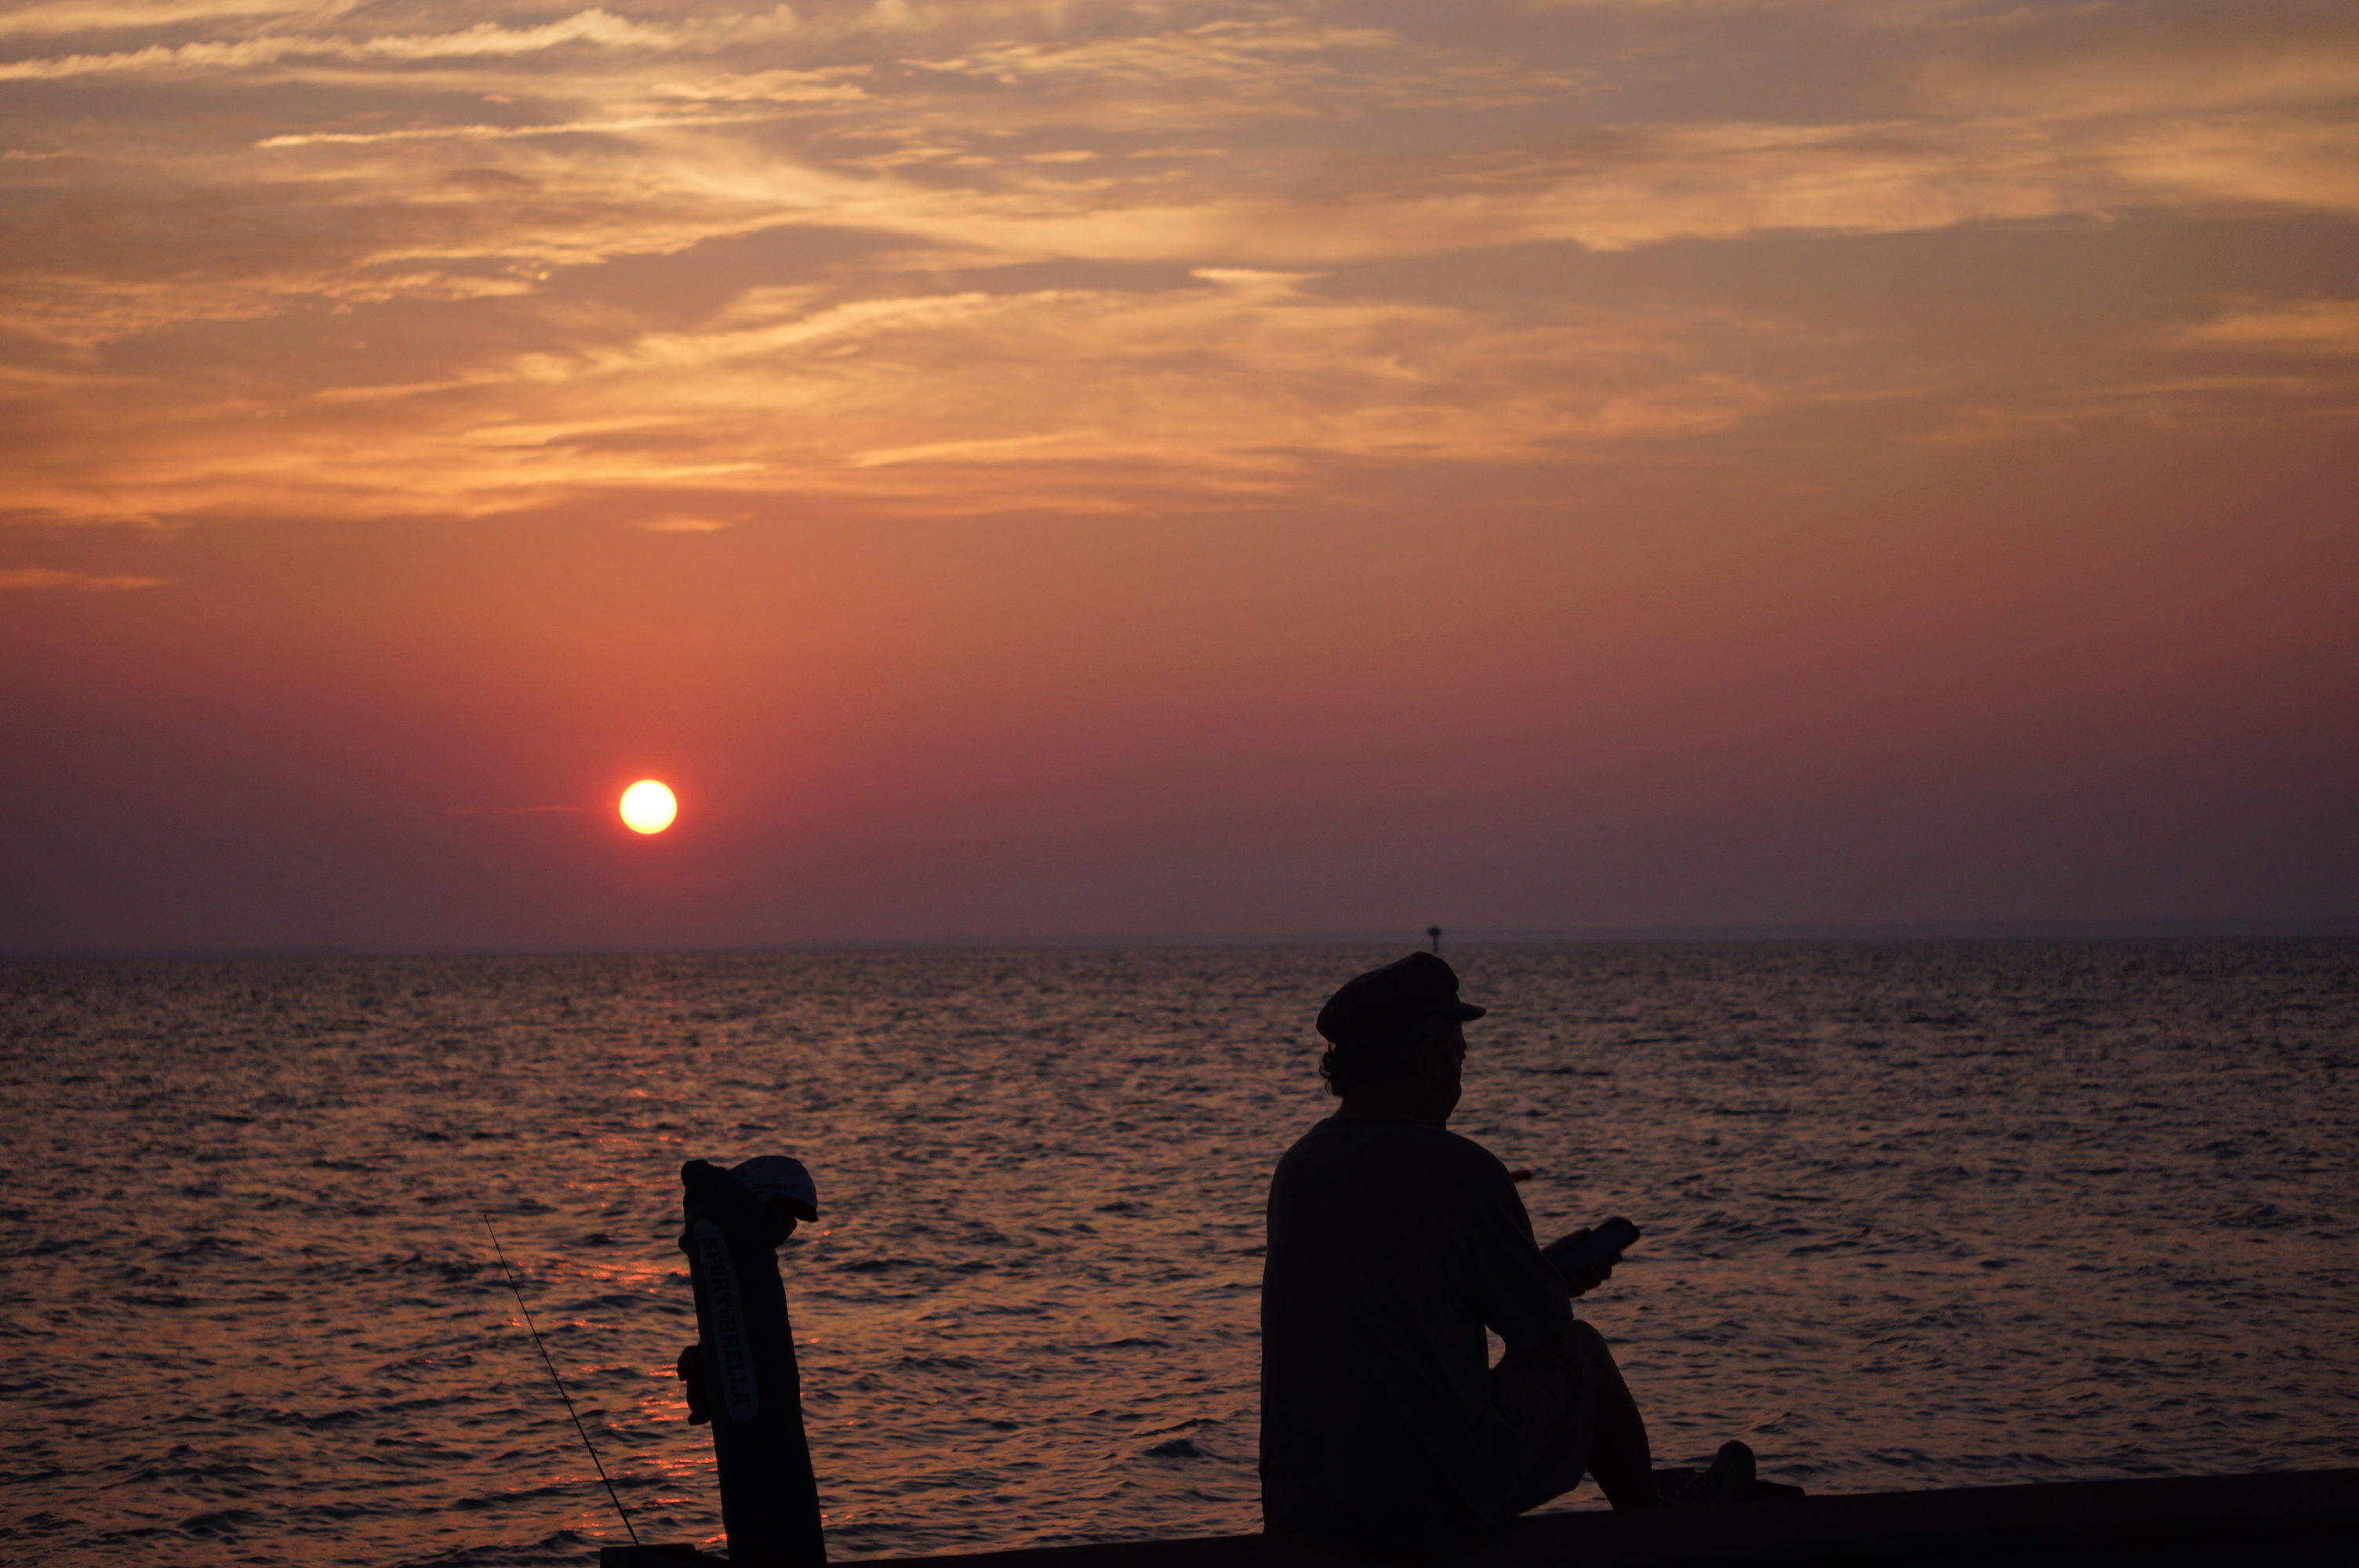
column 1395, row 1140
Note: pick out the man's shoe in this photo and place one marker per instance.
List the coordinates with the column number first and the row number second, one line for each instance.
column 1729, row 1477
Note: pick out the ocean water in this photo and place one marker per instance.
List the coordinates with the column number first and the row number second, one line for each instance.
column 1918, row 1215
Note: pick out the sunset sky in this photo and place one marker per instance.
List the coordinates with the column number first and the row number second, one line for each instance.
column 1025, row 470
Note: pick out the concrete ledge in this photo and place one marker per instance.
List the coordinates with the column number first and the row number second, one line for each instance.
column 2222, row 1522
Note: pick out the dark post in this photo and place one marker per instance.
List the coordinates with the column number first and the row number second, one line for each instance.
column 741, row 1372
column 1434, row 932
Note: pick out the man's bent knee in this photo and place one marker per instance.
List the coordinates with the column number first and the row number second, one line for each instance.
column 1588, row 1347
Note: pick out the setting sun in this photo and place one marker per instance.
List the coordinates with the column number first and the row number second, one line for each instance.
column 648, row 807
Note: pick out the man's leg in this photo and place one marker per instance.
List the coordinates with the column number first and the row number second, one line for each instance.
column 1618, row 1455
column 1571, row 1412
column 1543, row 1397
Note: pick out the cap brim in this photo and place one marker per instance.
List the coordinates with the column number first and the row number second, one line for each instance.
column 1466, row 1012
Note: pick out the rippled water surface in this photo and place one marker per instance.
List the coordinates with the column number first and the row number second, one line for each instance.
column 1917, row 1216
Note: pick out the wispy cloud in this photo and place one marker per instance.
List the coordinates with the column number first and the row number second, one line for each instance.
column 2296, row 327
column 498, row 133
column 52, row 17
column 73, row 582
column 1088, row 235
column 484, row 40
column 1242, row 380
column 461, row 813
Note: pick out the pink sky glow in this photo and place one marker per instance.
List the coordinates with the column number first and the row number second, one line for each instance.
column 1023, row 468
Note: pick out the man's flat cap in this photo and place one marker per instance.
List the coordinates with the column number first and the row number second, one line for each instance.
column 1404, row 996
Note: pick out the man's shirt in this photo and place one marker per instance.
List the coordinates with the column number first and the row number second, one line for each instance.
column 1393, row 1245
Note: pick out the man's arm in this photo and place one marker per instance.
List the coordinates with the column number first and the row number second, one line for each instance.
column 1588, row 1279
column 1522, row 1297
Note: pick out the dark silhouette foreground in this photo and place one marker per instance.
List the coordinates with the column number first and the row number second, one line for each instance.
column 1393, row 1245
column 2296, row 1519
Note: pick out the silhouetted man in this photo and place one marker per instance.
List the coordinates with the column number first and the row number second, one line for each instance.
column 1393, row 1244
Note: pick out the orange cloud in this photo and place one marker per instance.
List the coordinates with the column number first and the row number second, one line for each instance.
column 1213, row 199
column 73, row 582
column 2298, row 326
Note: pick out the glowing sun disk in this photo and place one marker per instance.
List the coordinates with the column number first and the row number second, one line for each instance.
column 648, row 807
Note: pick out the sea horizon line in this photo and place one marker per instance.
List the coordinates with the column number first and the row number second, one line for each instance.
column 2189, row 929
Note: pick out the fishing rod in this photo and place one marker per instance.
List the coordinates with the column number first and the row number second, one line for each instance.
column 553, row 1377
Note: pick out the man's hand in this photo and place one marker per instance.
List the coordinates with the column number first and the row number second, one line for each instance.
column 1589, row 1279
